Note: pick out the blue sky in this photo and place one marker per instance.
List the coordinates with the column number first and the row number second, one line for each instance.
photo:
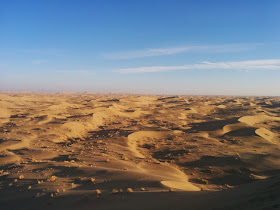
column 206, row 47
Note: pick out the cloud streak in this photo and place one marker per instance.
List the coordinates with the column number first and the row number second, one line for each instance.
column 125, row 55
column 268, row 64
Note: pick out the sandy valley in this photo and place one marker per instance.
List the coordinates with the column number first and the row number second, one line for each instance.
column 97, row 151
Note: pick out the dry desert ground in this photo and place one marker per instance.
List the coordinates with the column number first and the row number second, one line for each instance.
column 109, row 151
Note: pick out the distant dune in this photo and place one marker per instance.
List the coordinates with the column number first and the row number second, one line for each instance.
column 94, row 151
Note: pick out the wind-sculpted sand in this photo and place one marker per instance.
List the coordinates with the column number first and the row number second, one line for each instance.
column 94, row 151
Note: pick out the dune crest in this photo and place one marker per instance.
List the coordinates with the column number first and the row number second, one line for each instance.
column 268, row 135
column 186, row 186
column 252, row 120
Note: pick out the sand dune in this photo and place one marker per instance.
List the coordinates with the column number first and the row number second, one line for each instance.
column 95, row 151
column 268, row 135
column 145, row 137
column 253, row 120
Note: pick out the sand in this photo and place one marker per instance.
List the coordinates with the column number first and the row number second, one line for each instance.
column 97, row 151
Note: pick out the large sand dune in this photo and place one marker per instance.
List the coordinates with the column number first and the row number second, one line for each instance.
column 93, row 151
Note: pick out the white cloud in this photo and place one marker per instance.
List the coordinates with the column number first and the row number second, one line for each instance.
column 177, row 50
column 269, row 64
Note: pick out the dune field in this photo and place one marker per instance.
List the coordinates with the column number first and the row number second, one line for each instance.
column 109, row 151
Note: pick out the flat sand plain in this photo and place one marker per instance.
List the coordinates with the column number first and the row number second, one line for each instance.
column 98, row 151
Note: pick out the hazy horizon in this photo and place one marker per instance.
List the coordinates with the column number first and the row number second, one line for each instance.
column 142, row 47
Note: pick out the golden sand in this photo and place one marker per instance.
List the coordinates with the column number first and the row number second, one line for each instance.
column 218, row 152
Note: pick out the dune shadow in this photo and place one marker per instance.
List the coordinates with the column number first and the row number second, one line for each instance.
column 64, row 171
column 273, row 106
column 248, row 131
column 231, row 179
column 207, row 160
column 168, row 154
column 111, row 100
column 167, row 98
column 109, row 133
column 20, row 115
column 211, row 125
column 62, row 158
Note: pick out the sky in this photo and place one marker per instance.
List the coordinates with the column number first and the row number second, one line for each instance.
column 199, row 47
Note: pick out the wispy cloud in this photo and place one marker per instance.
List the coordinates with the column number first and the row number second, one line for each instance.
column 269, row 64
column 177, row 50
column 38, row 61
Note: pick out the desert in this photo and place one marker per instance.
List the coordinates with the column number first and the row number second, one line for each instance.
column 139, row 105
column 128, row 151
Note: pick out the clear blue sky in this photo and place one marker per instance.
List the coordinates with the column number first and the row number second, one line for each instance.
column 137, row 46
